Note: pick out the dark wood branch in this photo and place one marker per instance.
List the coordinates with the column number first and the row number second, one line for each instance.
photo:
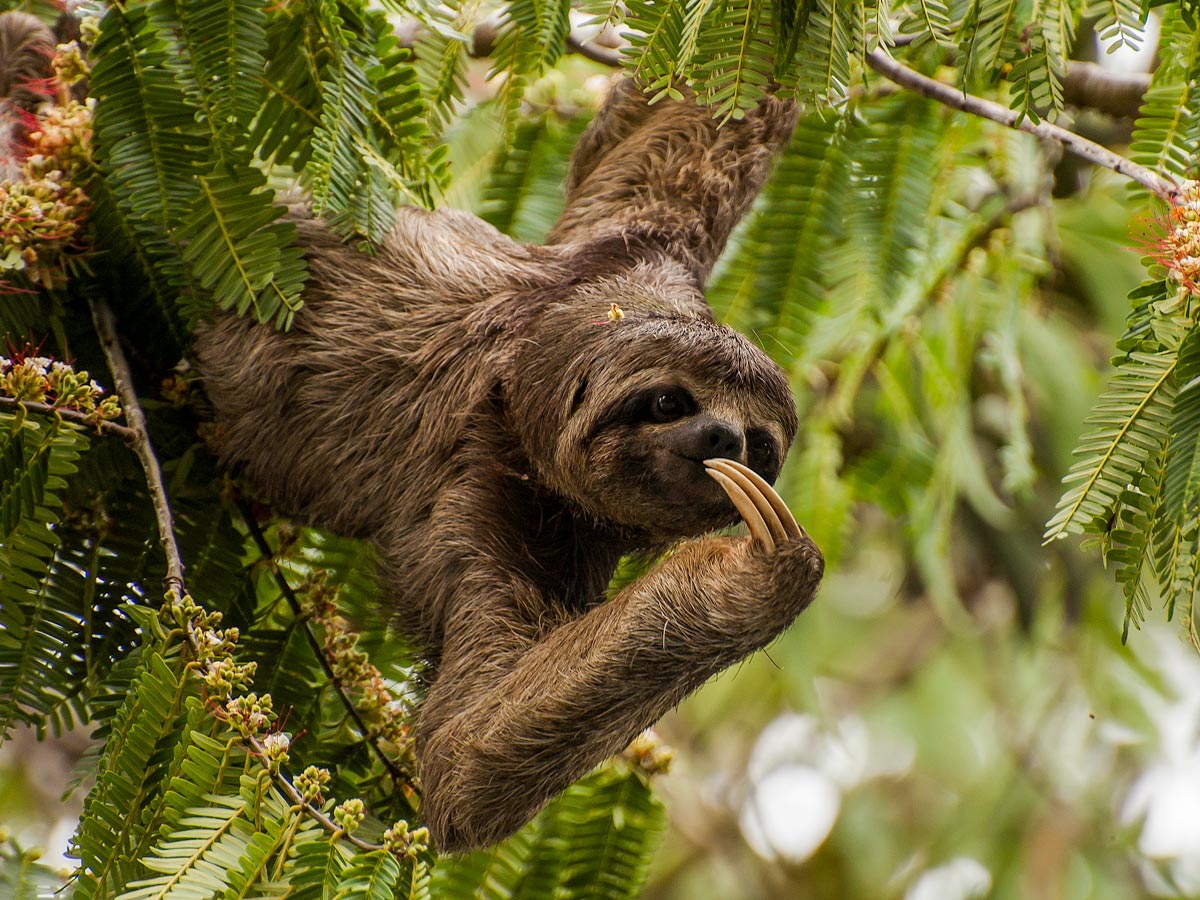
column 103, row 426
column 954, row 98
column 607, row 56
column 1095, row 87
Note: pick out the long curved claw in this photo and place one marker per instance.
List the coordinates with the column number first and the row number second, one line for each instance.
column 765, row 513
column 790, row 526
column 746, row 506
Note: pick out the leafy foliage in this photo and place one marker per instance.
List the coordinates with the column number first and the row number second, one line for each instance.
column 1168, row 126
column 338, row 105
column 593, row 841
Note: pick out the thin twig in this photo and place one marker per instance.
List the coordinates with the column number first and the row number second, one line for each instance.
column 987, row 109
column 104, row 426
column 318, row 650
column 106, row 329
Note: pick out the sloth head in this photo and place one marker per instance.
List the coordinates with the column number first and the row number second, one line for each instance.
column 624, row 414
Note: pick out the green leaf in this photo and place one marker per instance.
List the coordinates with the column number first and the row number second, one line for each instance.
column 596, row 840
column 148, row 145
column 238, row 251
column 226, row 46
column 1183, row 462
column 1131, row 421
column 370, row 875
column 1167, row 130
column 130, row 776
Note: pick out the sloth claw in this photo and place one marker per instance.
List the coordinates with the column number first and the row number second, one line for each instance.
column 766, row 515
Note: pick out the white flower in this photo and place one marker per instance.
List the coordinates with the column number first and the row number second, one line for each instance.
column 962, row 878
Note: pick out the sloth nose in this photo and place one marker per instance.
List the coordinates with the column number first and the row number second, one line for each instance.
column 718, row 438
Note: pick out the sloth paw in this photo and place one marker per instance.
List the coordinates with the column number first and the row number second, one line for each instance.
column 766, row 515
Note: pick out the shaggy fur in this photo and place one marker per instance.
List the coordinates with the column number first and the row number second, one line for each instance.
column 468, row 404
column 26, row 49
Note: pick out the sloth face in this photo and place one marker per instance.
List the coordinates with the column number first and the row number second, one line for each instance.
column 640, row 427
column 646, row 454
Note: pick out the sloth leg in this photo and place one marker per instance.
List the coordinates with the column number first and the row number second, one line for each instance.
column 493, row 754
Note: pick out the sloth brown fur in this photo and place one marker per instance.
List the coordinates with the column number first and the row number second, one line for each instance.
column 467, row 403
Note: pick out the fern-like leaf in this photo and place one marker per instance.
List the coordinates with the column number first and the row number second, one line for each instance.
column 130, row 774
column 332, row 172
column 148, row 145
column 317, row 867
column 1120, row 23
column 523, row 194
column 737, row 48
column 771, row 287
column 1167, row 130
column 1182, row 482
column 226, row 48
column 990, row 35
column 37, row 629
column 371, row 875
column 239, row 252
column 1132, row 418
column 832, row 34
column 595, row 840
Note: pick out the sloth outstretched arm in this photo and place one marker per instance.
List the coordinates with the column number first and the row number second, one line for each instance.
column 549, row 706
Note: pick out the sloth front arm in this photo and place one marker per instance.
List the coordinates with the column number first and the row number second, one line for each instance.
column 504, row 730
column 668, row 175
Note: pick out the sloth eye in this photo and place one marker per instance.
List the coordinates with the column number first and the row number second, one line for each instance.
column 667, row 406
column 762, row 455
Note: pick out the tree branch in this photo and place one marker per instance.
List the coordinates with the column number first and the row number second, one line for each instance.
column 988, row 109
column 106, row 329
column 104, row 426
column 1095, row 87
column 604, row 55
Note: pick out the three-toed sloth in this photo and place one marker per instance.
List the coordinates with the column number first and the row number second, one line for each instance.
column 505, row 421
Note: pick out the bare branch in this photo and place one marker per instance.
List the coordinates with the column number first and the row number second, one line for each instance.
column 104, row 426
column 987, row 109
column 604, row 55
column 106, row 329
column 1116, row 93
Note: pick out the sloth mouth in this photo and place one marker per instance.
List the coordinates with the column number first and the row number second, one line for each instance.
column 687, row 490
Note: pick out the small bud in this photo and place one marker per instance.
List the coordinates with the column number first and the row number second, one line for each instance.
column 349, row 814
column 275, row 746
column 311, row 782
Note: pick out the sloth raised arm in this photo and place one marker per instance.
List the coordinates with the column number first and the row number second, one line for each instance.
column 469, row 404
column 667, row 175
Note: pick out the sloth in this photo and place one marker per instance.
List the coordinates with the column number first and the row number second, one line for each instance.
column 506, row 421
